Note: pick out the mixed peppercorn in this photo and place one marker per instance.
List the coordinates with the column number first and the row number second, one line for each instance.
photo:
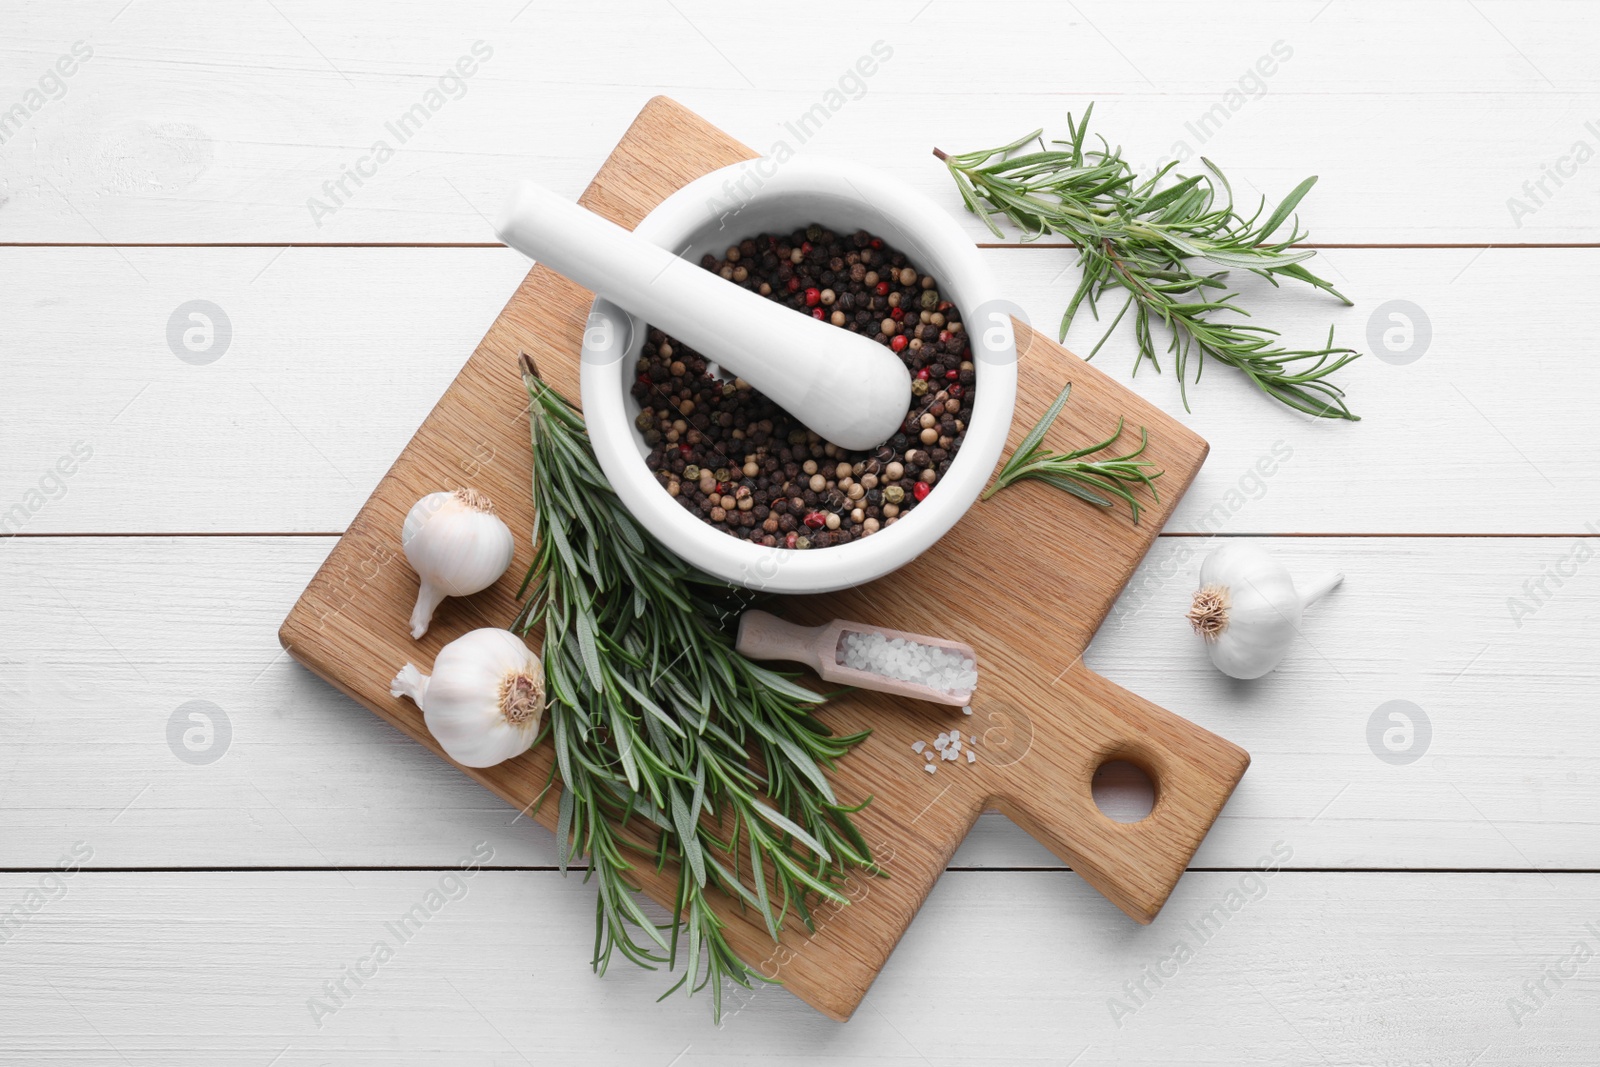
column 743, row 465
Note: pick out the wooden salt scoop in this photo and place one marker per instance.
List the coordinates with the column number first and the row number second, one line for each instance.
column 765, row 636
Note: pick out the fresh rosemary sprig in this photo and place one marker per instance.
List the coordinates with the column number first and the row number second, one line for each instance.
column 1134, row 235
column 671, row 747
column 1069, row 472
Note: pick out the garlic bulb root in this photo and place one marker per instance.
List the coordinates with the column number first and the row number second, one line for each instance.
column 1248, row 609
column 1209, row 613
column 485, row 699
column 457, row 545
column 411, row 684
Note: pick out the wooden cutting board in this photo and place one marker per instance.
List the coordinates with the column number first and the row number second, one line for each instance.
column 1026, row 578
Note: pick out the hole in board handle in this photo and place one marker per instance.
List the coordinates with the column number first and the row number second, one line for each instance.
column 1123, row 791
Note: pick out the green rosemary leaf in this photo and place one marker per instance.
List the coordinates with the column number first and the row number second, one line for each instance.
column 788, row 826
column 693, row 938
column 806, row 766
column 686, row 834
column 1290, row 202
column 1042, row 427
column 563, row 746
column 643, row 699
column 586, row 648
column 1171, row 194
column 564, row 809
column 779, row 685
column 697, row 799
column 623, row 732
column 628, row 530
column 796, row 873
column 1067, row 485
column 759, row 872
column 1301, row 274
column 729, row 880
column 558, row 537
column 622, row 894
column 1107, row 443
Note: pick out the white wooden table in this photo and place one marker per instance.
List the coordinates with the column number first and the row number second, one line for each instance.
column 1444, row 910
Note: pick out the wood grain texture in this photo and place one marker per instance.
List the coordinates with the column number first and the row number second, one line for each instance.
column 1059, row 722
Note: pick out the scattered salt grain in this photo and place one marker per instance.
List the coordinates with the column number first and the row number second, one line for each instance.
column 967, row 710
column 947, row 747
column 907, row 661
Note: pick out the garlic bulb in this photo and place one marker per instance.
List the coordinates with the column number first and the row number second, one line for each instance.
column 484, row 700
column 458, row 546
column 1248, row 608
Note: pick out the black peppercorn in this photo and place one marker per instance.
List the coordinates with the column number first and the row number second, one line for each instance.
column 703, row 430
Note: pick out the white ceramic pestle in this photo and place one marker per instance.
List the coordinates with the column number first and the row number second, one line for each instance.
column 848, row 388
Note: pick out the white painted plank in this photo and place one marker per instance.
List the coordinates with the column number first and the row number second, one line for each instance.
column 324, row 363
column 1308, row 969
column 338, row 354
column 106, row 639
column 194, row 122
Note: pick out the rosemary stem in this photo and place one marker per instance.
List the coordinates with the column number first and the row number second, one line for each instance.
column 1143, row 235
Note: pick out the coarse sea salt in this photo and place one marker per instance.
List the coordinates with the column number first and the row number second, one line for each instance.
column 947, row 747
column 908, row 661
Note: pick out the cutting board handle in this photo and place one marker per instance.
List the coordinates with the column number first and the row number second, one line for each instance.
column 1048, row 790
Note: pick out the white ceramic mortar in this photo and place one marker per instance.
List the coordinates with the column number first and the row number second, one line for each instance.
column 722, row 209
